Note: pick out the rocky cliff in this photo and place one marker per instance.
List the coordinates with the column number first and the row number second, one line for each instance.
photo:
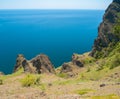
column 107, row 41
column 108, row 36
column 106, row 30
column 39, row 64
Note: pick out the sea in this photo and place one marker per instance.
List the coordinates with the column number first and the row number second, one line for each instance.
column 56, row 33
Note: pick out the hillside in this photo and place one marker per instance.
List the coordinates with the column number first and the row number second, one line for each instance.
column 92, row 75
column 108, row 31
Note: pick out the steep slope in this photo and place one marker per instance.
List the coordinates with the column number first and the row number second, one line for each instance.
column 106, row 49
column 108, row 31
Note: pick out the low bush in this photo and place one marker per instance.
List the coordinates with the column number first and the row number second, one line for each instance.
column 30, row 80
column 88, row 69
column 62, row 75
column 115, row 61
column 100, row 68
column 1, row 81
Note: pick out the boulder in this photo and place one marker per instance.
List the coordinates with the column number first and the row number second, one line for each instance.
column 66, row 67
column 77, row 60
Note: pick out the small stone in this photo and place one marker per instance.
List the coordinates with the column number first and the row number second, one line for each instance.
column 49, row 84
column 118, row 83
column 102, row 85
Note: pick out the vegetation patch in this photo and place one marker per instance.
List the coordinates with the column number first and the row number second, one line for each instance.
column 1, row 81
column 62, row 75
column 30, row 79
column 112, row 96
column 115, row 61
column 89, row 60
column 84, row 91
column 42, row 87
column 63, row 82
column 19, row 72
column 116, row 28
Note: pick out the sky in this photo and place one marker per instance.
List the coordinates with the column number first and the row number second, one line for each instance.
column 54, row 4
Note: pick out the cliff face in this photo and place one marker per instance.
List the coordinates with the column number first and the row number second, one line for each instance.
column 39, row 64
column 106, row 33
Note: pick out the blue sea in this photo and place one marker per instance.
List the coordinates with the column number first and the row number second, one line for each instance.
column 56, row 33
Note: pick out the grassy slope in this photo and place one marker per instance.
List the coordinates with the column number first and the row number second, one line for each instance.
column 85, row 85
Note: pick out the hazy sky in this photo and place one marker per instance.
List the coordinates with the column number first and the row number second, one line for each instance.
column 54, row 4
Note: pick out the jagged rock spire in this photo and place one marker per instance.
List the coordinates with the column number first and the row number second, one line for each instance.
column 39, row 64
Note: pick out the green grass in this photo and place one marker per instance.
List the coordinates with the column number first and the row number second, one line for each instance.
column 65, row 82
column 94, row 74
column 84, row 91
column 42, row 87
column 19, row 72
column 30, row 79
column 102, row 67
column 89, row 60
column 62, row 75
column 113, row 59
column 112, row 96
column 5, row 77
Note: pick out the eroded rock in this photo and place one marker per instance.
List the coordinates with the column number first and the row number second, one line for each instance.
column 71, row 67
column 19, row 61
column 42, row 64
column 66, row 67
column 39, row 64
column 77, row 60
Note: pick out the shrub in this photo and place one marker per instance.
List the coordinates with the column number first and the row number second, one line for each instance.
column 115, row 62
column 30, row 80
column 1, row 81
column 88, row 69
column 89, row 60
column 100, row 68
column 42, row 87
column 116, row 29
column 62, row 75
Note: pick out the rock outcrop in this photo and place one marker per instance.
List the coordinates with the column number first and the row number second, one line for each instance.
column 74, row 65
column 19, row 61
column 105, row 30
column 1, row 73
column 78, row 60
column 67, row 67
column 42, row 64
column 39, row 64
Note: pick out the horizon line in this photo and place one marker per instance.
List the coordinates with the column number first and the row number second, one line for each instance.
column 49, row 9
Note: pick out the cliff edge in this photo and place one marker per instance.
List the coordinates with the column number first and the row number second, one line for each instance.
column 108, row 31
